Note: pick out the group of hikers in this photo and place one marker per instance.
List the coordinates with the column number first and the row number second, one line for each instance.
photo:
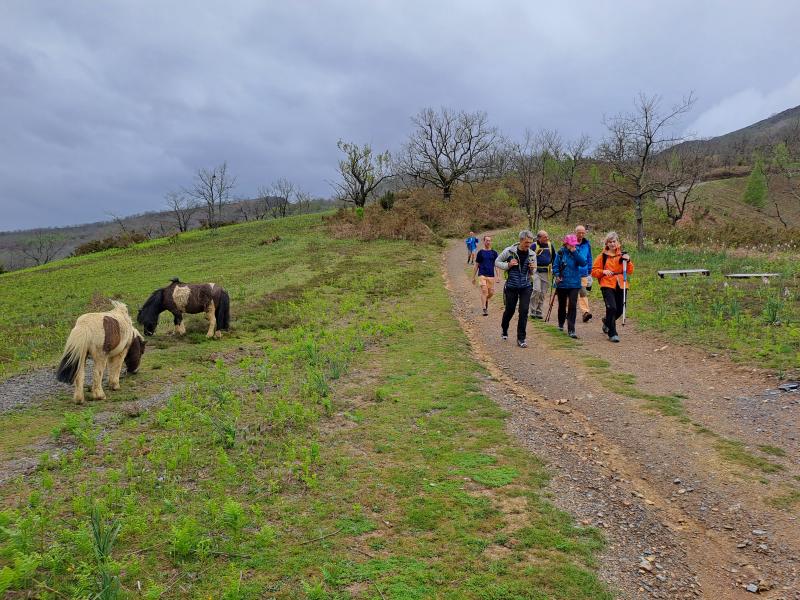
column 533, row 266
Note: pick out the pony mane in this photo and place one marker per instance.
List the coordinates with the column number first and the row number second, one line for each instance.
column 176, row 280
column 148, row 314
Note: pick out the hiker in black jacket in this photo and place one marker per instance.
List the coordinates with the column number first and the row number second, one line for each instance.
column 518, row 261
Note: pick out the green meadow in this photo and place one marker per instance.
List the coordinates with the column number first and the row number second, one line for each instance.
column 334, row 444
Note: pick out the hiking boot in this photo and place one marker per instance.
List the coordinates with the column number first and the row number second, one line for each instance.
column 536, row 315
column 614, row 338
column 485, row 312
column 573, row 335
column 522, row 343
column 504, row 336
column 605, row 327
column 587, row 317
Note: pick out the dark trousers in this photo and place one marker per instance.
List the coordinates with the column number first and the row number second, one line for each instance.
column 613, row 299
column 512, row 296
column 567, row 306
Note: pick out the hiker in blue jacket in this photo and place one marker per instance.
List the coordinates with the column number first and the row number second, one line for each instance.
column 585, row 249
column 567, row 268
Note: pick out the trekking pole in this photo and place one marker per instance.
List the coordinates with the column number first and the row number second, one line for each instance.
column 552, row 299
column 624, row 290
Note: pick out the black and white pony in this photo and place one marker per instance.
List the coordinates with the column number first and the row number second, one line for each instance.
column 192, row 298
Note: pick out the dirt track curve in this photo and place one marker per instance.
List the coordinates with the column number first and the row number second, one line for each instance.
column 682, row 520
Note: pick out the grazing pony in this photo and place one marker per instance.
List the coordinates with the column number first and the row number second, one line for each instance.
column 192, row 298
column 110, row 338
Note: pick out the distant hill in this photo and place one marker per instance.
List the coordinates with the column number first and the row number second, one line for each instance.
column 737, row 147
column 154, row 224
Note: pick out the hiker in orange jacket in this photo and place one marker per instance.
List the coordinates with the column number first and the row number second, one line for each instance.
column 607, row 269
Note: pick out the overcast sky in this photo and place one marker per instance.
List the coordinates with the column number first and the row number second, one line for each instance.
column 106, row 106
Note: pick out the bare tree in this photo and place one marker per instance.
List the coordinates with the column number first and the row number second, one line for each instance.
column 212, row 187
column 535, row 165
column 683, row 168
column 303, row 201
column 499, row 161
column 182, row 206
column 571, row 163
column 447, row 147
column 633, row 142
column 281, row 194
column 361, row 172
column 119, row 221
column 43, row 247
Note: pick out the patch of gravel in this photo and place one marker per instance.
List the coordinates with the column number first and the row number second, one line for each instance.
column 29, row 388
column 643, row 559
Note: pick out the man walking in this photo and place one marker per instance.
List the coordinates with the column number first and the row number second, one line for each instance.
column 518, row 261
column 545, row 254
column 472, row 245
column 584, row 248
column 486, row 271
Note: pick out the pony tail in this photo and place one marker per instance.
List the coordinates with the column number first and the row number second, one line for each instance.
column 223, row 312
column 74, row 356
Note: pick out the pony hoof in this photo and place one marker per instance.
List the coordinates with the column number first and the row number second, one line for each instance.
column 78, row 400
column 115, row 387
column 218, row 335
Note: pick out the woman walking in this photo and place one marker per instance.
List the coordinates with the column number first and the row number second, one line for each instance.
column 567, row 269
column 608, row 270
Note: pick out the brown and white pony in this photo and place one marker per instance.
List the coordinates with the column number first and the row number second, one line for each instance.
column 192, row 298
column 109, row 338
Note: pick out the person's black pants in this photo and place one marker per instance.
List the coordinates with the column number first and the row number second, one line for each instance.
column 567, row 306
column 512, row 296
column 613, row 299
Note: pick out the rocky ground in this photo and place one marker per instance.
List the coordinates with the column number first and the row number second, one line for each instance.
column 682, row 520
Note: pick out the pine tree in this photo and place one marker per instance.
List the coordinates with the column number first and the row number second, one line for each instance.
column 755, row 194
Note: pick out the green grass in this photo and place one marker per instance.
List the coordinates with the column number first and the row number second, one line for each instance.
column 786, row 501
column 735, row 452
column 328, row 447
column 772, row 450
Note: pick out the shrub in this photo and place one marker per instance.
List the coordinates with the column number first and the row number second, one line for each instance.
column 422, row 215
column 115, row 241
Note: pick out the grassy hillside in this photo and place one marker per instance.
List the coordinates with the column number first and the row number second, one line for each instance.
column 723, row 200
column 328, row 447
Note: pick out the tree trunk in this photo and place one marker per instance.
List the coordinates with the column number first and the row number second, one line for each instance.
column 639, row 223
column 446, row 193
column 530, row 221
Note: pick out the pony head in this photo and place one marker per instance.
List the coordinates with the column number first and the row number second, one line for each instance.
column 148, row 314
column 135, row 352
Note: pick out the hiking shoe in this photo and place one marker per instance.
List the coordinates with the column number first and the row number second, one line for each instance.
column 536, row 316
column 587, row 317
column 614, row 338
column 573, row 335
column 485, row 312
column 522, row 343
column 504, row 336
column 605, row 327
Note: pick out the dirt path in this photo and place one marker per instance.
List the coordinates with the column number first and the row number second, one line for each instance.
column 686, row 513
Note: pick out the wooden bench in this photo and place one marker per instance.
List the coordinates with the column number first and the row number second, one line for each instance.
column 751, row 275
column 684, row 272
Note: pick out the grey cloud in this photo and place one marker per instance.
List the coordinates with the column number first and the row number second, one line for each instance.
column 106, row 106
